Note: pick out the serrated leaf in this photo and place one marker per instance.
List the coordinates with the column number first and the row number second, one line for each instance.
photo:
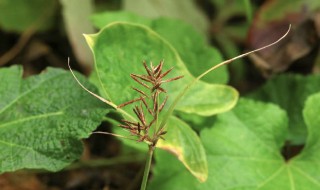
column 290, row 91
column 20, row 15
column 192, row 47
column 185, row 144
column 43, row 118
column 119, row 50
column 243, row 151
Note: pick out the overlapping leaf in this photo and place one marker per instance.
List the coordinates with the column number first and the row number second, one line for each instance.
column 43, row 118
column 243, row 150
column 290, row 92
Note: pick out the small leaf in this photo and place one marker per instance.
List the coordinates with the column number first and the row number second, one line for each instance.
column 290, row 92
column 43, row 118
column 185, row 144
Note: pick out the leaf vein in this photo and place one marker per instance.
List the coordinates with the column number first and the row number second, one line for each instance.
column 31, row 118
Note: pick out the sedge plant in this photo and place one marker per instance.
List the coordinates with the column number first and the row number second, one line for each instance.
column 147, row 126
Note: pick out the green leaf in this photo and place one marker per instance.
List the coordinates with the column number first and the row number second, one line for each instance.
column 20, row 15
column 311, row 117
column 192, row 47
column 185, row 144
column 119, row 50
column 290, row 92
column 43, row 118
column 243, row 152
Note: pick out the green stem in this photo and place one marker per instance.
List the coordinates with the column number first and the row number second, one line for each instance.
column 147, row 167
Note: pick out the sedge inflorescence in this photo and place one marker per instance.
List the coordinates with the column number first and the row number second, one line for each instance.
column 148, row 101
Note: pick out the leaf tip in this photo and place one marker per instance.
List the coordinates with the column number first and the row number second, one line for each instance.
column 90, row 39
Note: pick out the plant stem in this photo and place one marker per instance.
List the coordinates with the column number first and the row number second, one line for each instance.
column 147, row 167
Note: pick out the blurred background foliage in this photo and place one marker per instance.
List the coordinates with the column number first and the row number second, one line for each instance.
column 45, row 33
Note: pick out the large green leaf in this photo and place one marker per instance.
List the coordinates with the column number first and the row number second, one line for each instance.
column 43, row 118
column 240, row 144
column 243, row 151
column 192, row 47
column 19, row 15
column 290, row 92
column 119, row 50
